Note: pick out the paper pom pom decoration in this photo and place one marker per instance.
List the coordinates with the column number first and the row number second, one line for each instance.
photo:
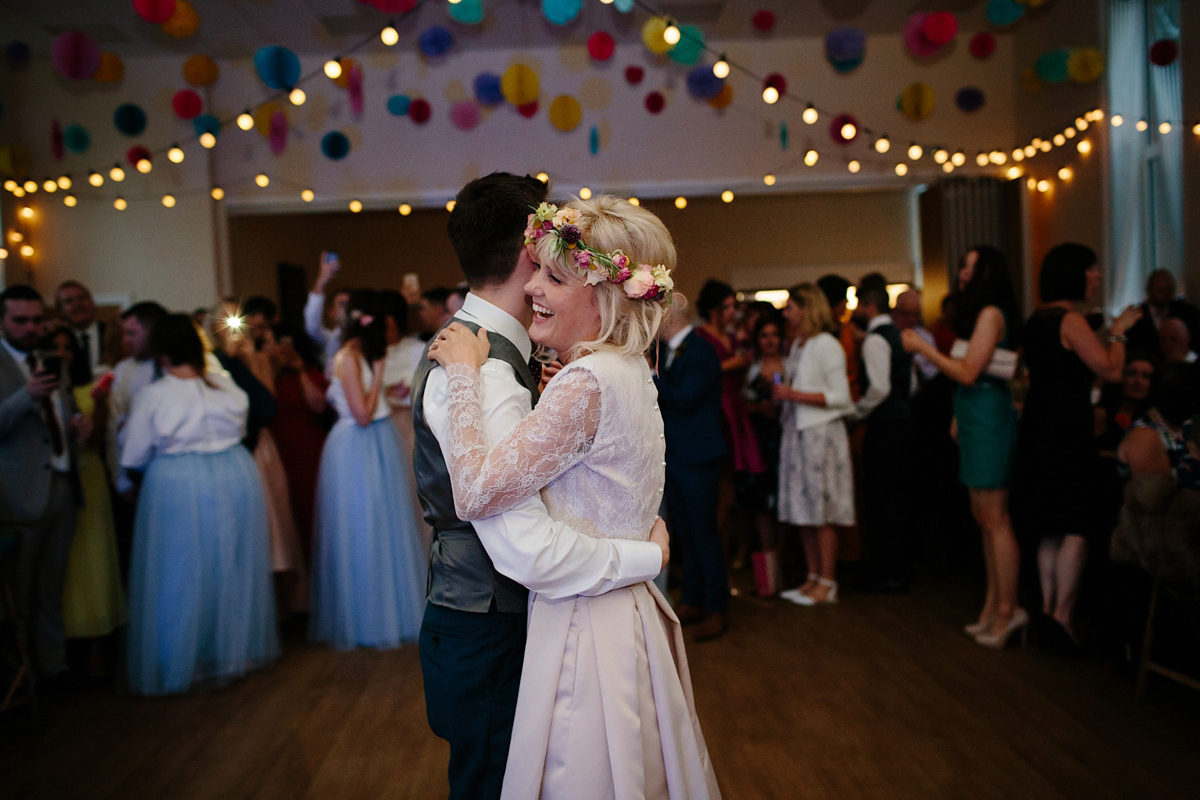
column 652, row 36
column 940, row 27
column 565, row 113
column 763, row 21
column 982, row 45
column 262, row 118
column 130, row 119
column 655, row 102
column 419, row 111
column 1051, row 67
column 1003, row 13
column 200, row 70
column 335, row 146
column 137, row 153
column 187, row 104
column 1030, row 81
column 702, row 84
column 397, row 104
column 634, row 75
column 723, row 98
column 777, row 82
column 468, row 12
column 969, row 99
column 845, row 48
column 690, row 46
column 560, row 12
column 17, row 54
column 277, row 133
column 594, row 140
column 354, row 89
column 1085, row 64
column 783, row 135
column 1164, row 52
column 206, row 123
column 624, row 6
column 14, row 160
column 278, row 67
column 184, row 22
column 465, row 115
column 435, row 41
column 56, row 140
column 342, row 81
column 391, row 6
column 76, row 55
column 601, row 45
column 528, row 110
column 917, row 101
column 837, row 125
column 915, row 40
column 520, row 85
column 487, row 89
column 76, row 139
column 111, row 69
column 154, row 11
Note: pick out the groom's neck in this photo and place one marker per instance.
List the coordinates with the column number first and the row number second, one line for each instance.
column 509, row 297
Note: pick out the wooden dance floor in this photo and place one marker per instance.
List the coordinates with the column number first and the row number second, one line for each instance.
column 879, row 697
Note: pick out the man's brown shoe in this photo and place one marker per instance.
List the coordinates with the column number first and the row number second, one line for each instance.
column 689, row 615
column 712, row 627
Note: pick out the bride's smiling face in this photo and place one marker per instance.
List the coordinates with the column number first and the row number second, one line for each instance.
column 565, row 312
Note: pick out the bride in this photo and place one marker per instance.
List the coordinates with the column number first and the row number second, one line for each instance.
column 605, row 707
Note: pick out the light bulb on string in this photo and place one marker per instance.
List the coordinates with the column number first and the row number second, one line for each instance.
column 941, row 155
column 1196, row 129
column 1084, row 146
column 3, row 253
column 672, row 34
column 297, row 96
column 16, row 237
column 959, row 158
column 355, row 206
column 1164, row 128
column 1059, row 140
column 30, row 186
column 1065, row 174
column 721, row 68
column 168, row 200
column 1081, row 123
column 245, row 120
column 981, row 159
column 175, row 154
column 1030, row 151
column 50, row 185
column 208, row 140
column 389, row 35
column 307, row 195
column 119, row 204
column 810, row 158
column 681, row 202
column 849, row 131
column 727, row 196
column 998, row 157
column 1018, row 155
column 95, row 178
column 854, row 165
column 333, row 70
column 543, row 177
column 405, row 209
column 769, row 179
column 1142, row 125
column 144, row 165
column 26, row 212
column 19, row 191
column 1043, row 186
column 1013, row 173
column 116, row 173
column 882, row 144
column 948, row 167
column 770, row 95
column 1031, row 182
column 810, row 115
column 217, row 193
column 69, row 201
column 902, row 169
column 633, row 201
column 1116, row 120
column 9, row 185
column 27, row 250
column 1070, row 131
column 262, row 180
column 915, row 151
column 585, row 193
column 450, row 205
column 1045, row 146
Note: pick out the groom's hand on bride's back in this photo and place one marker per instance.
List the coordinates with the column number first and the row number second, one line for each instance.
column 660, row 536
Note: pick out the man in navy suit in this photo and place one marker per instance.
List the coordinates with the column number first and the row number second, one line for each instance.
column 689, row 396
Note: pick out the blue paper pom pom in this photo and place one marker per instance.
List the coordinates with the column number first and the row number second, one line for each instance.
column 398, row 104
column 845, row 48
column 702, row 84
column 560, row 12
column 206, row 123
column 76, row 139
column 130, row 119
column 435, row 41
column 278, row 67
column 487, row 89
column 1003, row 13
column 970, row 99
column 624, row 6
column 594, row 140
column 335, row 145
column 17, row 54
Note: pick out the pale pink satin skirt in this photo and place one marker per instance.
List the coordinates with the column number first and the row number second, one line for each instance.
column 606, row 709
column 285, row 542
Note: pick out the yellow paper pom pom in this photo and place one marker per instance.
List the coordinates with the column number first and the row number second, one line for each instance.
column 519, row 85
column 565, row 113
column 1085, row 64
column 111, row 70
column 917, row 101
column 652, row 36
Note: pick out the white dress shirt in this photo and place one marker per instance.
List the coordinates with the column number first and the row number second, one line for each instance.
column 877, row 356
column 543, row 555
column 62, row 461
column 330, row 339
column 129, row 378
column 184, row 415
column 673, row 345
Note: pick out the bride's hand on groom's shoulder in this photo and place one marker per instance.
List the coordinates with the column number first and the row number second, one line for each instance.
column 457, row 345
column 660, row 537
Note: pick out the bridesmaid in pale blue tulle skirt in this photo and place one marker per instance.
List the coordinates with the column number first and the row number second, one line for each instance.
column 201, row 600
column 368, row 582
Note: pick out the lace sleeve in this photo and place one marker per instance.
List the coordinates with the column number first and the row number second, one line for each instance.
column 544, row 445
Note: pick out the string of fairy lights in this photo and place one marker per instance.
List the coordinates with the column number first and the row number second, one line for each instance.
column 1012, row 164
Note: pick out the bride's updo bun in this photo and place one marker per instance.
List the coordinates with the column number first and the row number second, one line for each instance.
column 628, row 326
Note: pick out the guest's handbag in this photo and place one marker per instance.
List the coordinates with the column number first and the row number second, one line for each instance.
column 767, row 574
column 1003, row 364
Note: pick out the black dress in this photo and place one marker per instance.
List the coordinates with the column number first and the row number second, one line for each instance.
column 1055, row 487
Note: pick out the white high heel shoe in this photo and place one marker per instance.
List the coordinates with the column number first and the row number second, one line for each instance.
column 829, row 599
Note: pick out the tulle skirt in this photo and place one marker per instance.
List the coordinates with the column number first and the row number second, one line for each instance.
column 201, row 602
column 368, row 578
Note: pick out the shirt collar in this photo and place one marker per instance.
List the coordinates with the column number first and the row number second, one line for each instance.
column 678, row 338
column 497, row 320
column 879, row 321
column 18, row 355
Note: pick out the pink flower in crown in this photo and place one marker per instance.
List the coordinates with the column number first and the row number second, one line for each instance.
column 621, row 270
column 621, row 275
column 584, row 259
column 638, row 283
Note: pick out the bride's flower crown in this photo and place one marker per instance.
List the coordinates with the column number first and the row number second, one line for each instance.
column 640, row 281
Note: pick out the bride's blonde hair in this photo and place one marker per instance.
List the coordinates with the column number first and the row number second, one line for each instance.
column 608, row 223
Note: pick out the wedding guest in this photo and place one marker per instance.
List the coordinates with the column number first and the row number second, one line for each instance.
column 93, row 598
column 1175, row 341
column 1122, row 404
column 200, row 602
column 431, row 311
column 1055, row 493
column 816, row 480
column 985, row 314
column 1162, row 304
column 836, row 290
column 328, row 338
column 1164, row 441
column 299, row 426
column 760, row 495
column 76, row 306
column 38, row 474
column 368, row 572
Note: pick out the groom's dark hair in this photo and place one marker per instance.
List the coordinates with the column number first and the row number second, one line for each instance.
column 487, row 225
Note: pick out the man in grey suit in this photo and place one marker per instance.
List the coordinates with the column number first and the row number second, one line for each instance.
column 38, row 481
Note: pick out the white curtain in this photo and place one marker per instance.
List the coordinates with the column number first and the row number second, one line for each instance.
column 1147, row 166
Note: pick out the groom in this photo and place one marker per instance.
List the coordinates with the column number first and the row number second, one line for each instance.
column 473, row 635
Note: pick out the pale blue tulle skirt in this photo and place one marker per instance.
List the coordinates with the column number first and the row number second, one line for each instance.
column 201, row 600
column 368, row 581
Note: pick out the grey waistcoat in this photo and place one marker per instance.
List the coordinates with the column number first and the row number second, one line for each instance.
column 461, row 575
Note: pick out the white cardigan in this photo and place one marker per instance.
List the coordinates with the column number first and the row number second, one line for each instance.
column 819, row 366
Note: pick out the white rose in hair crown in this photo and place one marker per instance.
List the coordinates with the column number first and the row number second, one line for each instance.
column 640, row 281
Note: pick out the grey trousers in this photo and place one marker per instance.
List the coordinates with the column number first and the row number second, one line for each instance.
column 44, row 546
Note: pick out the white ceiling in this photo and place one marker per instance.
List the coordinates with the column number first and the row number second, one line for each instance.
column 236, row 28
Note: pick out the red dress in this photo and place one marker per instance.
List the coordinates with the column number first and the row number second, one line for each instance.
column 300, row 436
column 739, row 432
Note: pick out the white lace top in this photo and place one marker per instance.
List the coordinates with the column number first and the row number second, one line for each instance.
column 594, row 441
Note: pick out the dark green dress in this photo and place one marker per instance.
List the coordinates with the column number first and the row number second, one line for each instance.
column 987, row 430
